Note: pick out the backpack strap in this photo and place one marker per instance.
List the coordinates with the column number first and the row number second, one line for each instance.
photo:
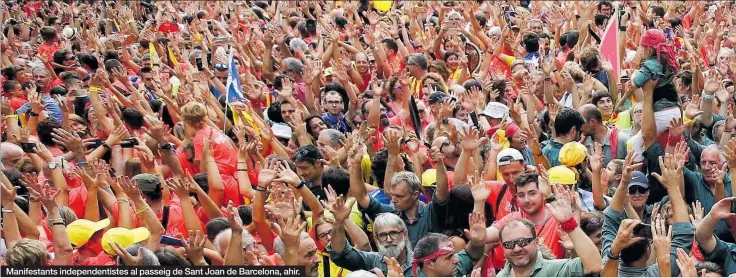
column 613, row 141
column 500, row 198
column 165, row 217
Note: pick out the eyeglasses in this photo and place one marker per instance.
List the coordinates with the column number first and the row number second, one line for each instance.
column 393, row 234
column 336, row 102
column 641, row 190
column 323, row 236
column 522, row 242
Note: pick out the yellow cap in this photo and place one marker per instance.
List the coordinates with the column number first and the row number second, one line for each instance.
column 81, row 230
column 561, row 175
column 572, row 154
column 429, row 178
column 124, row 237
column 383, row 5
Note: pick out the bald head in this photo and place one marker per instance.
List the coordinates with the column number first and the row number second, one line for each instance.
column 10, row 154
column 591, row 112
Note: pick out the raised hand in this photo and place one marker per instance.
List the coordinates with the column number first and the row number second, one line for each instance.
column 340, row 208
column 194, row 247
column 123, row 254
column 477, row 232
column 479, row 189
column 661, row 237
column 676, row 127
column 629, row 167
column 267, row 175
column 180, row 187
column 685, row 264
column 130, row 189
column 286, row 175
column 45, row 195
column 561, row 208
column 156, row 130
column 698, row 214
column 624, row 236
column 291, row 229
column 596, row 157
column 722, row 209
column 565, row 240
column 729, row 151
column 470, row 139
column 233, row 218
column 70, row 140
column 671, row 172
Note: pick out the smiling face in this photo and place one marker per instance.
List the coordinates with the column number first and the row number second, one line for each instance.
column 710, row 161
column 529, row 198
column 522, row 243
column 324, row 234
column 638, row 196
column 605, row 105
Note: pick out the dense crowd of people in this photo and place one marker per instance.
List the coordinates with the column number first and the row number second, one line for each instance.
column 371, row 138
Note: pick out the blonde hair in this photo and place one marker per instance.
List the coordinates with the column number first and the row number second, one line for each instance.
column 27, row 252
column 193, row 113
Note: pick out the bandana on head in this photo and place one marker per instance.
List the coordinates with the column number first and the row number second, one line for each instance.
column 657, row 39
column 439, row 253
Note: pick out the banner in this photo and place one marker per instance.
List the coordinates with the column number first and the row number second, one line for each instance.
column 609, row 45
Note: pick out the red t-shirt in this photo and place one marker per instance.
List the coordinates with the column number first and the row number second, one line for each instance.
column 54, row 83
column 176, row 226
column 223, row 150
column 546, row 232
column 16, row 103
column 103, row 259
column 48, row 49
column 505, row 206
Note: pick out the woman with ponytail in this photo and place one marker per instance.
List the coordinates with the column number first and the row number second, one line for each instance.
column 660, row 65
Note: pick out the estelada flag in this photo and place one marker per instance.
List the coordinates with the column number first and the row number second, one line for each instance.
column 609, row 45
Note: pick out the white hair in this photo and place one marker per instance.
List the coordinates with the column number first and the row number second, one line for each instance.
column 297, row 44
column 387, row 219
column 226, row 235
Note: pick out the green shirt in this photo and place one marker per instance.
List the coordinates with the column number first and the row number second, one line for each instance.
column 550, row 268
column 430, row 217
column 353, row 259
column 651, row 69
column 724, row 255
column 606, row 146
column 552, row 152
column 682, row 237
column 464, row 266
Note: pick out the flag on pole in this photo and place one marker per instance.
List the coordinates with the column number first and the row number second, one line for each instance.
column 609, row 45
column 234, row 94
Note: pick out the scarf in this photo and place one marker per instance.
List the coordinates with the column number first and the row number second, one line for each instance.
column 658, row 40
column 439, row 253
column 335, row 122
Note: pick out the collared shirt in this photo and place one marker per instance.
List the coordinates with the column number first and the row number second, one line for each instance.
column 429, row 217
column 550, row 268
column 607, row 148
column 552, row 152
column 353, row 259
column 49, row 105
column 682, row 237
column 464, row 266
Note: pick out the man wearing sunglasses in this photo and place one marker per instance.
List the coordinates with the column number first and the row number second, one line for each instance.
column 638, row 193
column 519, row 239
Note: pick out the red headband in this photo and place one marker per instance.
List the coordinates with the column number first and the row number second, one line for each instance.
column 439, row 253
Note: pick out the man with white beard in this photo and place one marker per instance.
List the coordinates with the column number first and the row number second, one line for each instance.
column 390, row 235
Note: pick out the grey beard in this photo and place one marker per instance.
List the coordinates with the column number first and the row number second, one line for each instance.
column 393, row 251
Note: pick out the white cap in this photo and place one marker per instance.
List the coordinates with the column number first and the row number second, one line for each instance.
column 496, row 110
column 510, row 152
column 69, row 32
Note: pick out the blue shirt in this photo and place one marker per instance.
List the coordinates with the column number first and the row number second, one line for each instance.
column 49, row 105
column 552, row 152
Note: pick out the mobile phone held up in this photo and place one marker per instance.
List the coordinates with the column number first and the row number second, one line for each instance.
column 645, row 230
column 28, row 147
column 198, row 62
column 128, row 143
column 170, row 241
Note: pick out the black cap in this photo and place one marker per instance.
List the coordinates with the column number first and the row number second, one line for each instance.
column 437, row 97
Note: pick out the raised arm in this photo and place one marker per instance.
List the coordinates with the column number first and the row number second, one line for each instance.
column 561, row 210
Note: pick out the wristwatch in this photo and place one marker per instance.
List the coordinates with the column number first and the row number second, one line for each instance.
column 52, row 165
column 32, row 114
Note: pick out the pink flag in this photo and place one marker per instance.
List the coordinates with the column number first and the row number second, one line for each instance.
column 609, row 45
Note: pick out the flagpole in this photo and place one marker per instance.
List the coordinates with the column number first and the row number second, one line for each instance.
column 227, row 94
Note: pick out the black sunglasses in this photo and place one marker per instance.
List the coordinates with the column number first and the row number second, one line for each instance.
column 221, row 67
column 522, row 242
column 641, row 190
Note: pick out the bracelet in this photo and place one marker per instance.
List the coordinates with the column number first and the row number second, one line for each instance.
column 301, row 184
column 261, row 189
column 54, row 219
column 8, row 211
column 141, row 210
column 14, row 116
column 60, row 223
column 81, row 163
column 569, row 225
column 122, row 201
column 242, row 170
column 610, row 255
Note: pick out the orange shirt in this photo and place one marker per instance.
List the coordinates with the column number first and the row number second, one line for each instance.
column 103, row 259
column 48, row 49
column 176, row 226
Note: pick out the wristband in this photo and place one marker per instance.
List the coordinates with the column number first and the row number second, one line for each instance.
column 81, row 163
column 301, row 184
column 672, row 141
column 611, row 256
column 32, row 114
column 14, row 116
column 261, row 189
column 60, row 223
column 550, row 199
column 8, row 211
column 142, row 210
column 242, row 170
column 687, row 121
column 569, row 225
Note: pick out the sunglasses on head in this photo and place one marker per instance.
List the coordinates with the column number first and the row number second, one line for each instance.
column 641, row 190
column 220, row 67
column 522, row 242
